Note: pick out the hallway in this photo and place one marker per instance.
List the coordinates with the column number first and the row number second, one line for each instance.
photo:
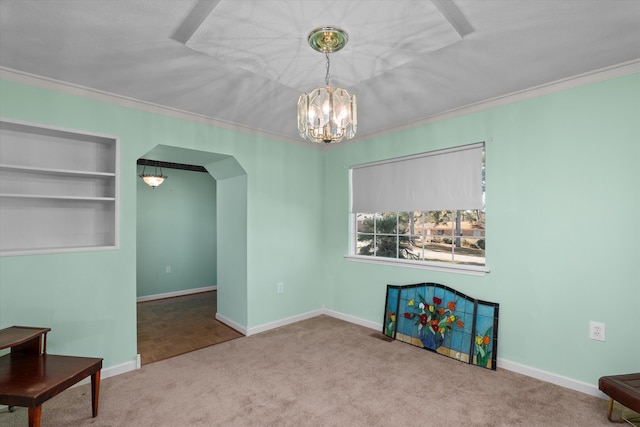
column 173, row 326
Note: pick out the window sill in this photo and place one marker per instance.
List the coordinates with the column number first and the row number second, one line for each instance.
column 433, row 266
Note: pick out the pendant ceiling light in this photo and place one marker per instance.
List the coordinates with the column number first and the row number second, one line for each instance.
column 152, row 179
column 327, row 114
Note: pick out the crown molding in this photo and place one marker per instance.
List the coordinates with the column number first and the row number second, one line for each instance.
column 41, row 82
column 607, row 73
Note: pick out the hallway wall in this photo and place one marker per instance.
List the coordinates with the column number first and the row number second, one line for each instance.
column 176, row 229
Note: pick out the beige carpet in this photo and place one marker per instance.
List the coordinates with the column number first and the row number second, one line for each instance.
column 319, row 372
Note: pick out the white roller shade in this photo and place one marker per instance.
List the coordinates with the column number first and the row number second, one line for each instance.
column 438, row 180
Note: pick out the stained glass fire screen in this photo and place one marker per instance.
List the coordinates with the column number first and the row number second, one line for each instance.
column 442, row 320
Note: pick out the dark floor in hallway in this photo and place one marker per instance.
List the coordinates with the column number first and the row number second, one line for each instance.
column 173, row 326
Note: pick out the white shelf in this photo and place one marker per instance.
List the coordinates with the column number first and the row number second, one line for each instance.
column 52, row 196
column 58, row 190
column 49, row 171
column 55, row 250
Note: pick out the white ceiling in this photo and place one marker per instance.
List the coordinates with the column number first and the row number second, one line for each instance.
column 246, row 62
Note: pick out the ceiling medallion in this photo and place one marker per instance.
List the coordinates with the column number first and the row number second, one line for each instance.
column 328, row 39
column 327, row 114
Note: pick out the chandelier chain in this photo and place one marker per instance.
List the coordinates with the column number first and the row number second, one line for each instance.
column 327, row 76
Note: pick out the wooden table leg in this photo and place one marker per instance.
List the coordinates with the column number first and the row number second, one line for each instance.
column 95, row 392
column 35, row 415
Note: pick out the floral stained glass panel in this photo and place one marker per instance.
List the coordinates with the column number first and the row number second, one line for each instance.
column 442, row 320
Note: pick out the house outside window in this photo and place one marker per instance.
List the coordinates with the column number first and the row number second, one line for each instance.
column 440, row 218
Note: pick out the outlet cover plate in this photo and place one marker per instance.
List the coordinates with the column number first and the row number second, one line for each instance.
column 596, row 331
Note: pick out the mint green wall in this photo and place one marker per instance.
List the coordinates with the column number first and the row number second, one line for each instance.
column 285, row 232
column 176, row 227
column 232, row 223
column 232, row 239
column 562, row 245
column 88, row 299
column 563, row 240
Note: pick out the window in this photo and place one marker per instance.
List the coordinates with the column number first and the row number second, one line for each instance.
column 427, row 208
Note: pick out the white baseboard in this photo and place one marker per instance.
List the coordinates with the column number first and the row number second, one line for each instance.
column 352, row 319
column 230, row 323
column 176, row 293
column 283, row 322
column 297, row 318
column 112, row 371
column 552, row 378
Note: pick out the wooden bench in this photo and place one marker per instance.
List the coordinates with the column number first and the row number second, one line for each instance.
column 29, row 376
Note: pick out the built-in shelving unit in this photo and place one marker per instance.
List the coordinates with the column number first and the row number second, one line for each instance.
column 58, row 190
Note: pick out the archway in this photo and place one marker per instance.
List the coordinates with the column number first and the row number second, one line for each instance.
column 230, row 187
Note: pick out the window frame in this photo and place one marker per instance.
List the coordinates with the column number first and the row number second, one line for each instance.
column 353, row 256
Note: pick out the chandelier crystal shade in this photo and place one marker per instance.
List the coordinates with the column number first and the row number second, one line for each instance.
column 327, row 114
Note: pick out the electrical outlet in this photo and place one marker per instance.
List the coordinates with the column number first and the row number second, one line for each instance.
column 167, row 269
column 596, row 331
column 280, row 288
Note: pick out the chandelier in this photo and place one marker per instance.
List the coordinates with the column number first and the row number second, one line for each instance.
column 327, row 114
